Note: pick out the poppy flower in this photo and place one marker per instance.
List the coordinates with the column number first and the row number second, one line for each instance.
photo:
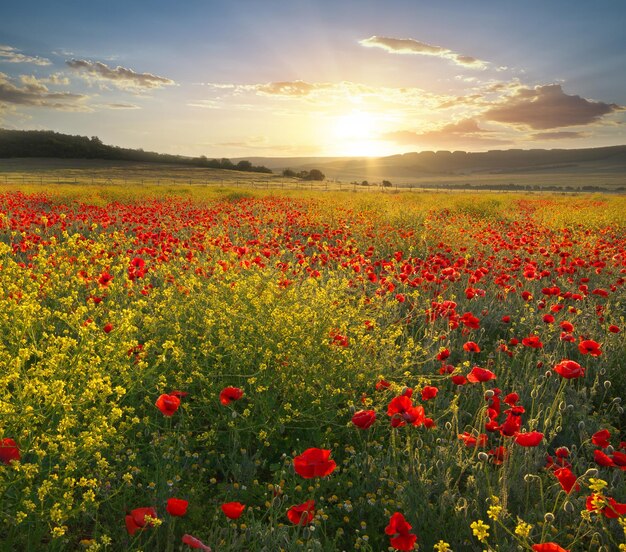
column 382, row 384
column 498, row 455
column 459, row 379
column 401, row 411
column 136, row 520
column 614, row 329
column 506, row 319
column 548, row 318
column 429, row 392
column 569, row 369
column 512, row 424
column 471, row 347
column 443, row 355
column 533, row 342
column 548, row 547
column 229, row 394
column 105, row 279
column 567, row 479
column 590, row 347
column 399, row 531
column 567, row 326
column 314, row 462
column 471, row 441
column 606, row 506
column 511, row 399
column 167, row 404
column 302, row 514
column 193, row 542
column 364, row 418
column 480, row 375
column 9, row 451
column 108, row 327
column 601, row 438
column 602, row 459
column 176, row 507
column 233, row 510
column 529, row 439
column 619, row 459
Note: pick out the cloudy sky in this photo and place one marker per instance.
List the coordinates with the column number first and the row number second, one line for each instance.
column 233, row 78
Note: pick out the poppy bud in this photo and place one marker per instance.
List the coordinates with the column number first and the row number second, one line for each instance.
column 581, row 425
column 568, row 507
column 548, row 517
column 607, row 384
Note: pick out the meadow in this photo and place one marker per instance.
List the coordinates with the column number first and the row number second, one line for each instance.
column 234, row 369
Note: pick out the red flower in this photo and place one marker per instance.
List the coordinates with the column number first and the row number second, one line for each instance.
column 9, row 451
column 602, row 459
column 506, row 319
column 105, row 279
column 530, row 439
column 136, row 520
column 590, row 347
column 471, row 441
column 548, row 318
column 402, row 539
column 167, row 404
column 479, row 375
column 443, row 355
column 533, row 342
column 108, row 327
column 614, row 329
column 567, row 326
column 471, row 347
column 567, row 479
column 176, row 507
column 382, row 384
column 511, row 399
column 429, row 392
column 569, row 369
column 229, row 394
column 607, row 506
column 401, row 410
column 302, row 514
column 364, row 418
column 459, row 379
column 601, row 438
column 233, row 510
column 548, row 547
column 314, row 462
column 619, row 459
column 193, row 542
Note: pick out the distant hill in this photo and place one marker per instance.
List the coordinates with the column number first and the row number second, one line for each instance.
column 445, row 163
column 45, row 143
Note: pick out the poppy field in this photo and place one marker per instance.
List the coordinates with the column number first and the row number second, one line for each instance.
column 232, row 370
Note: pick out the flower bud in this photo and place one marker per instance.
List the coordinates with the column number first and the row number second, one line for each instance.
column 548, row 517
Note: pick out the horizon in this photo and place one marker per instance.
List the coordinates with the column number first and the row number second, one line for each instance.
column 313, row 79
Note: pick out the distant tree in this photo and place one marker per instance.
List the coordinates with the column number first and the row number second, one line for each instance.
column 244, row 165
column 365, row 183
column 387, row 184
column 315, row 174
column 288, row 173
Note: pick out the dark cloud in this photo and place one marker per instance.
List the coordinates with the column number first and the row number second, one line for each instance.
column 33, row 92
column 121, row 77
column 411, row 46
column 546, row 107
column 8, row 54
column 559, row 135
column 465, row 132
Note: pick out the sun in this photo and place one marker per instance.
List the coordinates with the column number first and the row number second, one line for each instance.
column 356, row 134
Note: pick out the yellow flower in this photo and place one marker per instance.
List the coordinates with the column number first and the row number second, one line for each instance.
column 442, row 546
column 596, row 485
column 494, row 512
column 523, row 529
column 480, row 530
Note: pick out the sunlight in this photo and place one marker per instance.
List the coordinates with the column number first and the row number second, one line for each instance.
column 355, row 133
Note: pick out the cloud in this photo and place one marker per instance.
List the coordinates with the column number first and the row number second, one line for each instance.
column 35, row 93
column 411, row 46
column 547, row 107
column 8, row 54
column 120, row 106
column 121, row 77
column 289, row 88
column 559, row 135
column 466, row 132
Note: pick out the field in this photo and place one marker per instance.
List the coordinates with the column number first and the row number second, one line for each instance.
column 237, row 369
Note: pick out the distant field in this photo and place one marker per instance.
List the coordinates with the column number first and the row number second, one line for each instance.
column 86, row 171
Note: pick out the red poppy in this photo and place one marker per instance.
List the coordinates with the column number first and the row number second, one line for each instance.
column 401, row 410
column 193, row 542
column 9, row 451
column 609, row 508
column 511, row 399
column 602, row 459
column 314, row 462
column 233, row 510
column 459, row 379
column 176, row 507
column 529, row 439
column 108, row 327
column 506, row 319
column 302, row 514
column 229, row 394
column 533, row 342
column 548, row 318
column 548, row 547
column 382, row 384
column 399, row 531
column 567, row 479
column 601, row 438
column 136, row 520
column 480, row 375
column 167, row 404
column 567, row 326
column 619, row 459
column 443, row 355
column 498, row 455
column 569, row 369
column 471, row 441
column 429, row 392
column 471, row 347
column 364, row 418
column 614, row 329
column 105, row 279
column 590, row 347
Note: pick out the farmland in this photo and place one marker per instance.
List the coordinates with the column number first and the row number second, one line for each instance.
column 189, row 366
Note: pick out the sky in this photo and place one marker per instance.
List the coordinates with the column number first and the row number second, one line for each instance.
column 276, row 78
